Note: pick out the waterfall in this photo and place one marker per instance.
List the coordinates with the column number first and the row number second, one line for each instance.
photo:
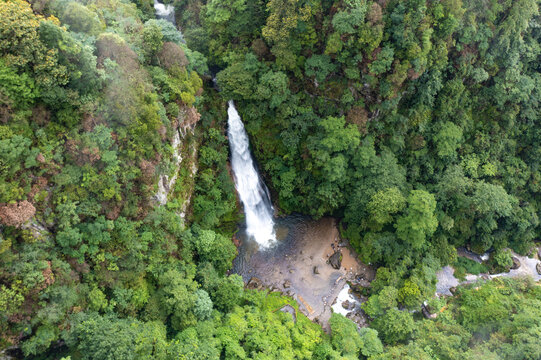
column 252, row 191
column 166, row 12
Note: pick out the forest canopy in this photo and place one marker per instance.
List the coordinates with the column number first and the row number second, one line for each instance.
column 415, row 123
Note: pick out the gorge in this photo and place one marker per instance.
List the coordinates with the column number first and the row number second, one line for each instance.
column 271, row 179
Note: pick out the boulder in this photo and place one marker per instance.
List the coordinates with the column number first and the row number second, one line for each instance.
column 336, row 260
column 287, row 284
column 452, row 290
column 516, row 263
column 347, row 305
column 316, row 270
column 538, row 268
column 254, row 283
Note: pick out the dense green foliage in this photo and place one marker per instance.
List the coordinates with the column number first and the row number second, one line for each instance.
column 496, row 320
column 414, row 122
column 91, row 100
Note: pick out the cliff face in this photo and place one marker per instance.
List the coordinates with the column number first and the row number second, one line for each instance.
column 184, row 160
column 183, row 156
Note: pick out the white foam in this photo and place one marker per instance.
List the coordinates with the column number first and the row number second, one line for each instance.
column 344, row 295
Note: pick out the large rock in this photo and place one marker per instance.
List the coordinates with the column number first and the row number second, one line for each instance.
column 316, row 270
column 254, row 283
column 348, row 305
column 336, row 260
column 287, row 284
column 538, row 268
column 516, row 263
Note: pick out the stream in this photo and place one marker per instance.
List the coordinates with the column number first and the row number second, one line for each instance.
column 165, row 12
column 447, row 281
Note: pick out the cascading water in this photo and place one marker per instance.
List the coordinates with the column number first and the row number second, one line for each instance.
column 252, row 191
column 166, row 12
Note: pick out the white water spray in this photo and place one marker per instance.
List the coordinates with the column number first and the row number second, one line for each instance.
column 166, row 12
column 252, row 191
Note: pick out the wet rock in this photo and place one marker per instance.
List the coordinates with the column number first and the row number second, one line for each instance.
column 336, row 260
column 539, row 253
column 348, row 305
column 316, row 270
column 254, row 283
column 516, row 263
column 357, row 318
column 287, row 284
column 453, row 290
column 538, row 268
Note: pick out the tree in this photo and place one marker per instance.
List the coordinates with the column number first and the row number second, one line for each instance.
column 237, row 81
column 152, row 40
column 345, row 22
column 377, row 304
column 395, row 326
column 409, row 294
column 372, row 345
column 110, row 338
column 203, row 305
column 219, row 12
column 383, row 62
column 20, row 90
column 178, row 298
column 344, row 336
column 319, row 66
column 228, row 292
column 284, row 18
column 330, row 150
column 419, row 222
column 81, row 19
column 273, row 86
column 216, row 249
column 447, row 140
column 383, row 205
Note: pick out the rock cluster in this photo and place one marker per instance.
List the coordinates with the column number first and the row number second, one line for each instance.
column 336, row 260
